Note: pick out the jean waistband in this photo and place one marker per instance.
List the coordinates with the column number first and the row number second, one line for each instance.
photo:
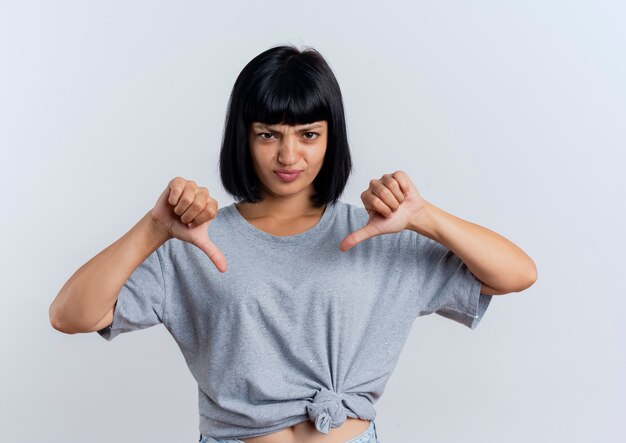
column 367, row 436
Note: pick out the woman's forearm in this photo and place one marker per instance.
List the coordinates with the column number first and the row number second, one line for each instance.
column 493, row 259
column 92, row 290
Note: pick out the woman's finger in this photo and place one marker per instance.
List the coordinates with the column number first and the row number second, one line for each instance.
column 403, row 180
column 195, row 208
column 208, row 213
column 380, row 206
column 213, row 252
column 176, row 186
column 383, row 193
column 187, row 197
column 205, row 215
column 394, row 186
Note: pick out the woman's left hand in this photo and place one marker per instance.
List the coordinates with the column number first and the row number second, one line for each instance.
column 392, row 202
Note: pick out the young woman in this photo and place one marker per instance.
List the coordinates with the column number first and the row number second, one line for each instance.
column 290, row 306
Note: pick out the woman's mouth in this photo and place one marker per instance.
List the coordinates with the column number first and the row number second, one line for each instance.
column 286, row 176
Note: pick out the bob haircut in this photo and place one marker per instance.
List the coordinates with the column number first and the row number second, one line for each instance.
column 284, row 85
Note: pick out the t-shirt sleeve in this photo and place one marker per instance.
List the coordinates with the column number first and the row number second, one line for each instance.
column 446, row 285
column 140, row 303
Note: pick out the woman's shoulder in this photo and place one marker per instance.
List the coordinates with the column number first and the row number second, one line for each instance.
column 351, row 211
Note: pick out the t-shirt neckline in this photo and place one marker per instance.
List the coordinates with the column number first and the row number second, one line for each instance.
column 310, row 234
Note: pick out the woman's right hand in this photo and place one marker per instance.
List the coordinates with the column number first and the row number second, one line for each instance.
column 184, row 211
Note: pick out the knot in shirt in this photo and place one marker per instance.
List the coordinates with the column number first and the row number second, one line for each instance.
column 326, row 410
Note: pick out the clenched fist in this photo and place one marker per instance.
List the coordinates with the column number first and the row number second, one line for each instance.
column 184, row 211
column 392, row 203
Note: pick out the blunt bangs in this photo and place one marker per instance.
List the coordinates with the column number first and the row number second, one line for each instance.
column 287, row 98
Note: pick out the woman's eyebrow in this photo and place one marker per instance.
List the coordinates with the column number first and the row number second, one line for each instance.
column 306, row 128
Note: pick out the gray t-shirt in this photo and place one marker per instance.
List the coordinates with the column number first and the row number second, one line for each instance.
column 295, row 329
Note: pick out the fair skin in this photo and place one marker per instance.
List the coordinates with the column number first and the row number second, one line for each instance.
column 286, row 208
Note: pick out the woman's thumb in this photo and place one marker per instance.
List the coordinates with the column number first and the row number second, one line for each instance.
column 213, row 252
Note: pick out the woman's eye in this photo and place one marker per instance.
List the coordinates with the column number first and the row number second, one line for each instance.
column 308, row 135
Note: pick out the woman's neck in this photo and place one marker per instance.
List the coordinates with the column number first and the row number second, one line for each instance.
column 282, row 209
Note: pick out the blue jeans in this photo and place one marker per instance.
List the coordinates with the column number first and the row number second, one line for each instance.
column 368, row 436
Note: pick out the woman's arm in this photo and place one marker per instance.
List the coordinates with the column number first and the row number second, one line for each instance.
column 394, row 203
column 86, row 301
column 493, row 259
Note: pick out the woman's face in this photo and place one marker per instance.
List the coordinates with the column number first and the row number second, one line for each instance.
column 293, row 148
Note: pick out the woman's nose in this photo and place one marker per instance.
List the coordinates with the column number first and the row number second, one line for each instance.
column 288, row 151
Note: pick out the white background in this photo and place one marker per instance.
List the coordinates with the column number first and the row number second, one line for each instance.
column 507, row 114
